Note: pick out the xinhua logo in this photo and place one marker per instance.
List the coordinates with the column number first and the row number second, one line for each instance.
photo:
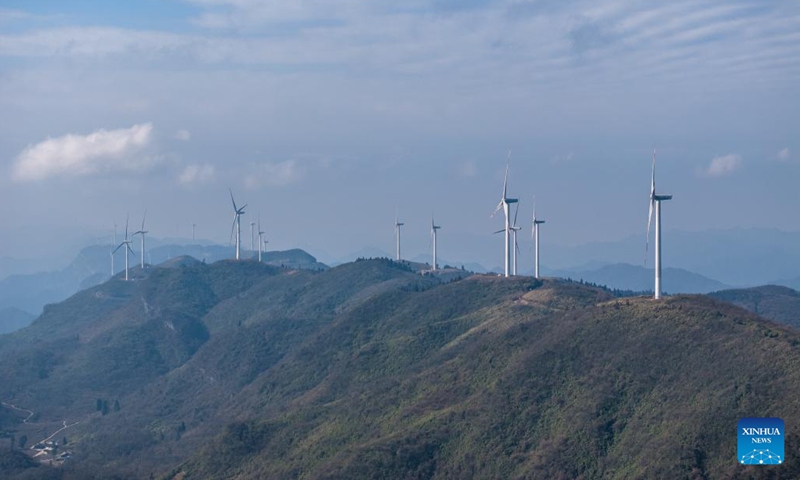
column 761, row 441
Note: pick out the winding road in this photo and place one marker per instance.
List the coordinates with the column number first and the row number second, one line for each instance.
column 30, row 414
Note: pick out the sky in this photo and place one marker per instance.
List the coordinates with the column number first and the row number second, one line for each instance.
column 327, row 117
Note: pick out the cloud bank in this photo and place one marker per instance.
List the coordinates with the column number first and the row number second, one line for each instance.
column 723, row 165
column 196, row 174
column 274, row 174
column 79, row 155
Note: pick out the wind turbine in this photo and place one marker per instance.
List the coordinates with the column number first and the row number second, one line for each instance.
column 260, row 236
column 434, row 227
column 127, row 244
column 515, row 251
column 194, row 225
column 252, row 236
column 535, row 235
column 655, row 201
column 504, row 204
column 142, row 232
column 397, row 226
column 111, row 250
column 237, row 223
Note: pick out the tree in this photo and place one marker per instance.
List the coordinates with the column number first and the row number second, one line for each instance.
column 99, row 405
column 22, row 441
column 116, row 405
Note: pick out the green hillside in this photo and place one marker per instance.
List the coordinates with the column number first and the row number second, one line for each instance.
column 369, row 370
column 781, row 304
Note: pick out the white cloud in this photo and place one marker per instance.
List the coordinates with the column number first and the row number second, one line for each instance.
column 196, row 174
column 79, row 155
column 274, row 174
column 723, row 165
column 183, row 134
column 783, row 155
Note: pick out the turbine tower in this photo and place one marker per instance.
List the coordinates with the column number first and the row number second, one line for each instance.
column 434, row 227
column 504, row 204
column 142, row 232
column 260, row 236
column 194, row 225
column 655, row 202
column 252, row 236
column 397, row 226
column 237, row 223
column 515, row 250
column 111, row 250
column 127, row 244
column 535, row 235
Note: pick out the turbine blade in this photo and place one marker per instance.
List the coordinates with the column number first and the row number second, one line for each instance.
column 505, row 180
column 127, row 216
column 649, row 222
column 499, row 231
column 499, row 206
column 652, row 204
column 233, row 229
column 232, row 200
column 516, row 211
column 143, row 218
column 118, row 247
column 653, row 176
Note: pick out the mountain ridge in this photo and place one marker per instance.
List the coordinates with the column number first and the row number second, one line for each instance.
column 370, row 369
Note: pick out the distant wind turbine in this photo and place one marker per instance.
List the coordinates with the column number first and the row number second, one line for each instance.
column 252, row 236
column 127, row 244
column 142, row 232
column 504, row 204
column 111, row 250
column 194, row 225
column 237, row 223
column 515, row 250
column 434, row 228
column 397, row 225
column 260, row 236
column 655, row 202
column 535, row 235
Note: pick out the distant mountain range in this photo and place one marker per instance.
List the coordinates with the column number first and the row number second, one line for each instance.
column 372, row 370
column 738, row 257
column 622, row 276
column 92, row 265
column 12, row 318
column 775, row 302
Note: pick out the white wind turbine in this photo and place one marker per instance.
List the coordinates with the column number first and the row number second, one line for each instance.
column 397, row 226
column 535, row 235
column 111, row 250
column 504, row 204
column 655, row 202
column 260, row 236
column 142, row 232
column 515, row 250
column 237, row 223
column 127, row 244
column 252, row 236
column 434, row 228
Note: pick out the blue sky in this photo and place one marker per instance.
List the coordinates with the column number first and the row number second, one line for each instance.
column 324, row 116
